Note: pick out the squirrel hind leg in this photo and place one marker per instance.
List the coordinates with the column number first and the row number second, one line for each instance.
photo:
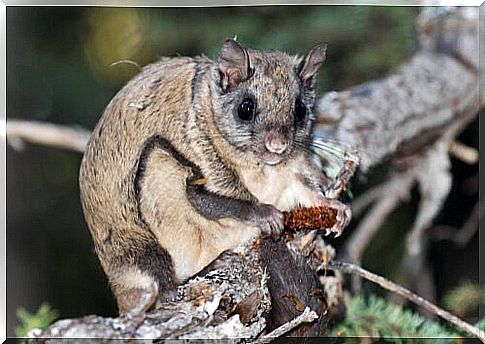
column 136, row 291
column 139, row 273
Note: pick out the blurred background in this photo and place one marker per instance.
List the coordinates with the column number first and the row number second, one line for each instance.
column 59, row 70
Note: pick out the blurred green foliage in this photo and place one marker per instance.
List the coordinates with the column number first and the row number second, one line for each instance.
column 60, row 58
column 42, row 318
column 379, row 38
column 381, row 319
column 464, row 299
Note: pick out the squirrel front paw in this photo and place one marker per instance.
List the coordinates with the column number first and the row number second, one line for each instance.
column 270, row 220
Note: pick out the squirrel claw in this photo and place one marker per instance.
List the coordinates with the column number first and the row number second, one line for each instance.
column 343, row 215
column 343, row 219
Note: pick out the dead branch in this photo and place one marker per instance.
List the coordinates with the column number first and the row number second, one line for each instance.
column 363, row 201
column 305, row 317
column 412, row 116
column 416, row 299
column 48, row 134
column 465, row 153
column 411, row 107
column 461, row 236
column 204, row 307
column 394, row 191
column 435, row 181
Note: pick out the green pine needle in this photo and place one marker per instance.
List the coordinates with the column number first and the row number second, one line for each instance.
column 44, row 316
column 380, row 319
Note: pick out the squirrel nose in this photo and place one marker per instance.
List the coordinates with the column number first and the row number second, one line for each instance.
column 276, row 142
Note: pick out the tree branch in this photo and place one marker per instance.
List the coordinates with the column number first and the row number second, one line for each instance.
column 305, row 317
column 370, row 196
column 413, row 105
column 465, row 153
column 60, row 136
column 461, row 236
column 393, row 192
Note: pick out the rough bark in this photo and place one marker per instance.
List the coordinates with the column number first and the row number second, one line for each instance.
column 228, row 302
column 411, row 108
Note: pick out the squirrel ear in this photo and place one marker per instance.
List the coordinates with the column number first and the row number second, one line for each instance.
column 308, row 67
column 233, row 62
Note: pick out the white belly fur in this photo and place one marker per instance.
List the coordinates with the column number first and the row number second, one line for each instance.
column 280, row 186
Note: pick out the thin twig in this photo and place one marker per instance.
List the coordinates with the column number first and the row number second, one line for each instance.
column 306, row 317
column 49, row 134
column 360, row 203
column 394, row 191
column 369, row 226
column 463, row 235
column 418, row 300
column 463, row 152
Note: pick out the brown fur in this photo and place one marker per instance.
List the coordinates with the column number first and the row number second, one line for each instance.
column 146, row 231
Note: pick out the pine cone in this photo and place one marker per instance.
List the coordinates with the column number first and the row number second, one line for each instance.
column 310, row 218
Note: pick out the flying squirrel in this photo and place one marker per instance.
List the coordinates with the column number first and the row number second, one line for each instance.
column 193, row 157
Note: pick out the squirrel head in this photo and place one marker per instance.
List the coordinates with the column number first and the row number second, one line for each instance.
column 264, row 101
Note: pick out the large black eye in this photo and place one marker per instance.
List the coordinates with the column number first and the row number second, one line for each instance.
column 246, row 109
column 300, row 110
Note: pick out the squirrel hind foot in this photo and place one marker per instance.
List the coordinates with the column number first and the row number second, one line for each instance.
column 136, row 292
